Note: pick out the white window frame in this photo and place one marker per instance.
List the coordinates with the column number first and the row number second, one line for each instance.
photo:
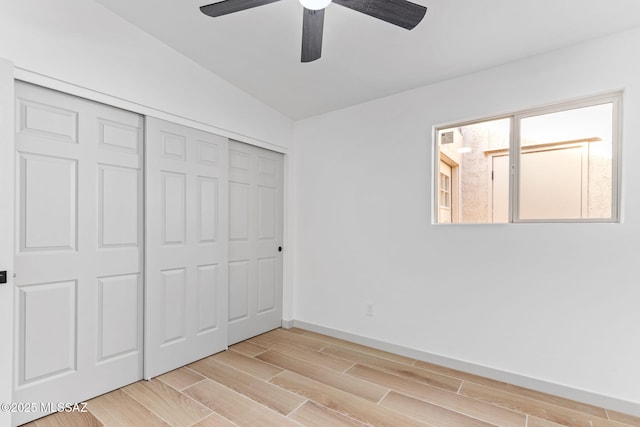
column 615, row 98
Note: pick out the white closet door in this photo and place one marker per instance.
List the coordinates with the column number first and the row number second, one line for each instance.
column 255, row 240
column 186, row 246
column 78, row 248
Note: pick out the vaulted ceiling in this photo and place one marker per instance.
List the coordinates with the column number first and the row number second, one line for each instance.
column 258, row 50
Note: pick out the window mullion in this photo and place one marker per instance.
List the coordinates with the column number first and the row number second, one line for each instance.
column 616, row 158
column 514, row 170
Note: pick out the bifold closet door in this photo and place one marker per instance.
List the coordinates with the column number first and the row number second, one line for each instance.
column 255, row 240
column 78, row 249
column 186, row 246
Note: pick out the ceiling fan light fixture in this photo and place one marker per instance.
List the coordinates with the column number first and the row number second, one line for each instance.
column 402, row 13
column 315, row 4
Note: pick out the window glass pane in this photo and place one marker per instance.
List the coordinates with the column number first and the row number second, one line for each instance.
column 566, row 164
column 445, row 188
column 474, row 162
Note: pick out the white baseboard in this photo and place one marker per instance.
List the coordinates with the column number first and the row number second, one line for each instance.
column 287, row 324
column 559, row 390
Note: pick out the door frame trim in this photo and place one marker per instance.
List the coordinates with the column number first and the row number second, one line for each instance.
column 53, row 83
column 455, row 187
column 7, row 165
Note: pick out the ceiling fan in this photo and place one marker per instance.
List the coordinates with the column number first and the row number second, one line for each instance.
column 402, row 13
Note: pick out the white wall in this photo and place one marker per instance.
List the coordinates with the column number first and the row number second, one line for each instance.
column 82, row 43
column 556, row 303
column 6, row 232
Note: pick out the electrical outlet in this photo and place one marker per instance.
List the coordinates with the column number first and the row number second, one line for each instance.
column 369, row 309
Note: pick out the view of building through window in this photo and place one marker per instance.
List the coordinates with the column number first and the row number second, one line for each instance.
column 467, row 157
column 563, row 170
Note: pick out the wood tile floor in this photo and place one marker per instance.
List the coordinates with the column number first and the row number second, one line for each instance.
column 295, row 377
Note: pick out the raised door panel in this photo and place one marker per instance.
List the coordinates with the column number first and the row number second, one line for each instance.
column 118, row 302
column 208, row 292
column 48, row 121
column 239, row 160
column 267, row 166
column 174, row 288
column 238, row 211
column 118, row 201
column 267, row 284
column 47, row 185
column 47, row 326
column 207, row 209
column 174, row 146
column 174, row 208
column 208, row 153
column 267, row 207
column 238, row 290
column 119, row 136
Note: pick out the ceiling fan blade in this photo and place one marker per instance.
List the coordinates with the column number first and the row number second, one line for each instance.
column 229, row 6
column 312, row 25
column 402, row 13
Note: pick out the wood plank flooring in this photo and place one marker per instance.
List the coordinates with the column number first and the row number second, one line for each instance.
column 299, row 378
